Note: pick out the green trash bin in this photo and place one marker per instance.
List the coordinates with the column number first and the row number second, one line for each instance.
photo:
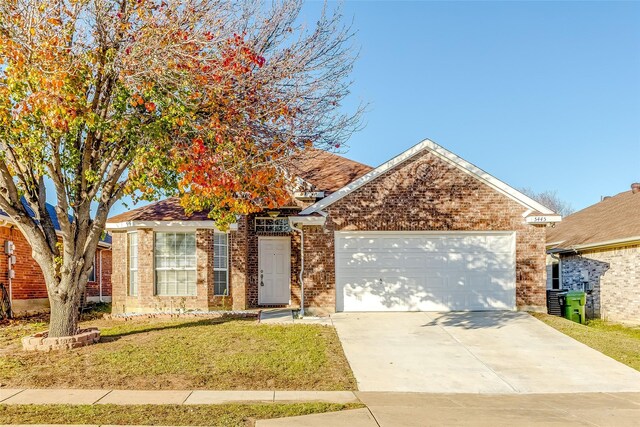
column 574, row 308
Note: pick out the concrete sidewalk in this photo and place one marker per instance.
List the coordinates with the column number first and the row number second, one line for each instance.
column 503, row 410
column 427, row 409
column 166, row 397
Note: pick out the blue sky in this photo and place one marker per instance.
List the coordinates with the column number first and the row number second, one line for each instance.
column 540, row 94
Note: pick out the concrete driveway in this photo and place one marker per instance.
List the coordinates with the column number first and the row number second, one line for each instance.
column 473, row 352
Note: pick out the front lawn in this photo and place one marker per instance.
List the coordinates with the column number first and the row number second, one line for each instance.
column 619, row 342
column 177, row 415
column 216, row 354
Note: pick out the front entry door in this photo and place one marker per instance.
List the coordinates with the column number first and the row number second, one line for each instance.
column 274, row 270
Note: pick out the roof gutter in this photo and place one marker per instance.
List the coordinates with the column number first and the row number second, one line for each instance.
column 131, row 225
column 627, row 241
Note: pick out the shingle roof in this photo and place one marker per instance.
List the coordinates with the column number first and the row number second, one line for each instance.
column 326, row 171
column 164, row 210
column 54, row 218
column 614, row 218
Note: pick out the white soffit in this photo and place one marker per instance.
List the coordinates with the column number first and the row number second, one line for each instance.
column 307, row 220
column 443, row 154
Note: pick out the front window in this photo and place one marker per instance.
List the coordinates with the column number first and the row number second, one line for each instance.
column 133, row 264
column 555, row 275
column 175, row 260
column 220, row 264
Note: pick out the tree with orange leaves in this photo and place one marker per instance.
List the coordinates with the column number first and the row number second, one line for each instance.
column 144, row 98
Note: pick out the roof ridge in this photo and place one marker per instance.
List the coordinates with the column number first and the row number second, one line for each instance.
column 444, row 155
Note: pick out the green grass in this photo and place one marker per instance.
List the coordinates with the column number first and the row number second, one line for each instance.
column 178, row 415
column 619, row 342
column 219, row 354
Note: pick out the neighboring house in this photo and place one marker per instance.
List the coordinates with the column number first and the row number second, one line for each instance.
column 598, row 250
column 27, row 288
column 424, row 231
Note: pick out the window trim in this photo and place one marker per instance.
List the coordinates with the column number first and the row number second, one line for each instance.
column 226, row 267
column 155, row 267
column 129, row 269
column 273, row 220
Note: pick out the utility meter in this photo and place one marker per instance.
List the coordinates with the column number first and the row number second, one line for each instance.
column 9, row 247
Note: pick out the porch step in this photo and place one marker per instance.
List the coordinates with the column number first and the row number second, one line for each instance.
column 276, row 316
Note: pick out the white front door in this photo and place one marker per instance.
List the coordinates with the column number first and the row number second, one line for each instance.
column 274, row 270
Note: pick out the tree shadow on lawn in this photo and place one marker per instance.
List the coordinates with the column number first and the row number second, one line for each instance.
column 169, row 325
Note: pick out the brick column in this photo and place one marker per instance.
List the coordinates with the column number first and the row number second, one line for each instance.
column 119, row 272
column 204, row 265
column 146, row 271
column 238, row 265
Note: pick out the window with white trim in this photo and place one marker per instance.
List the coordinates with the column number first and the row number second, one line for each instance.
column 220, row 264
column 175, row 262
column 133, row 263
column 272, row 225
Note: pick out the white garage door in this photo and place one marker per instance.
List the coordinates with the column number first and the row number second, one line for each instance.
column 425, row 271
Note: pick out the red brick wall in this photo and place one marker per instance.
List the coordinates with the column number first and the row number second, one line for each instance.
column 425, row 193
column 29, row 281
column 238, row 279
column 146, row 300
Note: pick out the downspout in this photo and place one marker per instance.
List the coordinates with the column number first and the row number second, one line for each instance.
column 9, row 274
column 293, row 227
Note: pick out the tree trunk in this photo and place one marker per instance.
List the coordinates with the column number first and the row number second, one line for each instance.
column 64, row 317
column 64, row 298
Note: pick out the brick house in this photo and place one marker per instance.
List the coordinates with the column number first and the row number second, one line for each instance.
column 424, row 231
column 598, row 250
column 27, row 288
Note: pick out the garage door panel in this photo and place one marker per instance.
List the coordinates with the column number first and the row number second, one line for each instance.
column 383, row 293
column 423, row 272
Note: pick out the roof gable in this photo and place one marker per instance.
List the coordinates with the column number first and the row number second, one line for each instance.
column 444, row 155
